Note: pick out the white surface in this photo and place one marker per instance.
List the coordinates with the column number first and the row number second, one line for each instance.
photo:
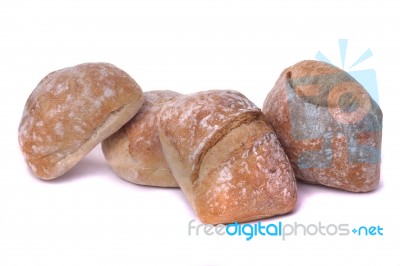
column 91, row 217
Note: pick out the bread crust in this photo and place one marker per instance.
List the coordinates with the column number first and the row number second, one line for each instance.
column 134, row 152
column 72, row 110
column 329, row 126
column 226, row 158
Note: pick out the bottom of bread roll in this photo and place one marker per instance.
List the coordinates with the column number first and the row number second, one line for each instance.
column 114, row 121
column 116, row 149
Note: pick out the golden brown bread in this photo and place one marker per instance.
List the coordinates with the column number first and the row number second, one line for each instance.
column 134, row 152
column 329, row 126
column 226, row 158
column 72, row 110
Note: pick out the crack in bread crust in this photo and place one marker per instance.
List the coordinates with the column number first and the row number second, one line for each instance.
column 244, row 118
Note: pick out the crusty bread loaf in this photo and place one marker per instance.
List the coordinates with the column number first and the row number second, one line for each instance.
column 72, row 110
column 329, row 126
column 225, row 157
column 134, row 152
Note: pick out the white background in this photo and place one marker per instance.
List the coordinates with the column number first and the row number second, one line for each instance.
column 91, row 217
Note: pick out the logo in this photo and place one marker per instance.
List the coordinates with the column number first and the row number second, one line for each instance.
column 366, row 77
column 282, row 230
column 328, row 106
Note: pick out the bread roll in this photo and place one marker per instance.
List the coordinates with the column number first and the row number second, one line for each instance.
column 329, row 126
column 134, row 152
column 225, row 157
column 72, row 110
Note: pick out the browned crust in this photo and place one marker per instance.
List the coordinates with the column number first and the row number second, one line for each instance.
column 134, row 152
column 208, row 134
column 356, row 177
column 71, row 111
column 251, row 177
column 196, row 112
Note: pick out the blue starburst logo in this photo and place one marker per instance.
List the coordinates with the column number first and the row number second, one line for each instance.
column 366, row 77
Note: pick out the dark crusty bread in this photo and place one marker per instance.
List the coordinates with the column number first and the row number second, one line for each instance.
column 72, row 110
column 226, row 158
column 329, row 126
column 134, row 152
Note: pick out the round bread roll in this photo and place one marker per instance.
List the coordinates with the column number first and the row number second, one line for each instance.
column 329, row 126
column 226, row 158
column 134, row 152
column 72, row 110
